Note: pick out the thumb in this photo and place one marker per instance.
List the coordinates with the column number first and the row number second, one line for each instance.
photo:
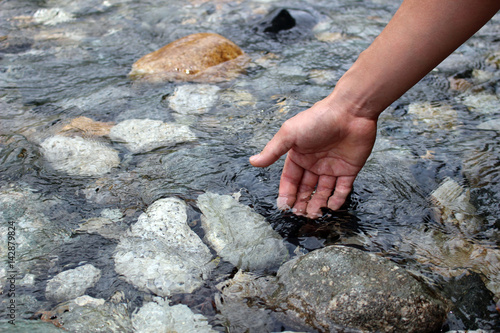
column 275, row 148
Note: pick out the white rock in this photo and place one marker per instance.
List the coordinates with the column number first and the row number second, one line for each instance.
column 77, row 156
column 240, row 235
column 72, row 283
column 160, row 253
column 52, row 16
column 194, row 98
column 493, row 124
column 142, row 135
column 160, row 317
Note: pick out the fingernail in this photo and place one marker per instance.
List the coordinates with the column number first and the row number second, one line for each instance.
column 254, row 158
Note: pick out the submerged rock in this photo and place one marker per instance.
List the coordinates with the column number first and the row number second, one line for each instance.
column 77, row 156
column 200, row 57
column 452, row 205
column 335, row 288
column 159, row 316
column 88, row 314
column 160, row 253
column 23, row 213
column 84, row 126
column 143, row 135
column 193, row 98
column 52, row 16
column 72, row 283
column 240, row 235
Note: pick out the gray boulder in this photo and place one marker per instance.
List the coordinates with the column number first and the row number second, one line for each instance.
column 337, row 287
column 240, row 235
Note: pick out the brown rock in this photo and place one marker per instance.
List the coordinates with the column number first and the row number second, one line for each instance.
column 201, row 57
column 83, row 126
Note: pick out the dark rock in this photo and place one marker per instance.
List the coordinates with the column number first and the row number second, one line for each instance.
column 342, row 288
column 287, row 23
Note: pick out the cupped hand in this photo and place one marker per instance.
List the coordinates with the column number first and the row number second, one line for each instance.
column 327, row 147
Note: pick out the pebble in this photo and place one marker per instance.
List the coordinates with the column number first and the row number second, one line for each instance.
column 72, row 283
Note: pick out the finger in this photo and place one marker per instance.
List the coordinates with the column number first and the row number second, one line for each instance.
column 342, row 189
column 320, row 197
column 275, row 148
column 289, row 184
column 305, row 190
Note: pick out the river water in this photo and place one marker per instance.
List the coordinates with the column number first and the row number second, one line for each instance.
column 56, row 67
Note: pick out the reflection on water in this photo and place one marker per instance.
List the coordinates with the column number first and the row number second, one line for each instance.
column 60, row 65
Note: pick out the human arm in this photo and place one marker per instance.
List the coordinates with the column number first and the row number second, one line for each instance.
column 329, row 143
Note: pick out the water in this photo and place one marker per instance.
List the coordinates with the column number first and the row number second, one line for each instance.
column 52, row 73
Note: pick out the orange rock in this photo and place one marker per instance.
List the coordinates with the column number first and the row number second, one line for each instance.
column 201, row 57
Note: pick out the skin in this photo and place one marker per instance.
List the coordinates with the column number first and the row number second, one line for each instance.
column 329, row 143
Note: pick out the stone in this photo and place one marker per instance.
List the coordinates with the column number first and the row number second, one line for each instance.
column 493, row 124
column 52, row 16
column 36, row 234
column 24, row 325
column 72, row 283
column 84, row 126
column 78, row 156
column 434, row 115
column 200, row 57
column 452, row 205
column 88, row 314
column 107, row 225
column 193, row 98
column 159, row 316
column 346, row 289
column 143, row 135
column 161, row 254
column 240, row 235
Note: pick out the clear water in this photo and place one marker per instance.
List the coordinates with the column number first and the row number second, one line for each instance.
column 50, row 74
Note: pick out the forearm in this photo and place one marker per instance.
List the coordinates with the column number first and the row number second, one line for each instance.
column 421, row 34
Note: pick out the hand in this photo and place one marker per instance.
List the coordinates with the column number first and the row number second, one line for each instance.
column 327, row 147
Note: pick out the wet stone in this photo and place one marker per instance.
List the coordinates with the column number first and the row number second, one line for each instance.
column 77, row 156
column 335, row 288
column 87, row 314
column 72, row 283
column 192, row 99
column 240, row 235
column 143, row 135
column 159, row 316
column 200, row 57
column 160, row 253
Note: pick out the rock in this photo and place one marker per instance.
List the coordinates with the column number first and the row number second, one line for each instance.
column 107, row 225
column 160, row 253
column 434, row 115
column 88, row 314
column 493, row 125
column 143, row 135
column 158, row 316
column 287, row 22
column 453, row 205
column 52, row 16
column 35, row 233
column 338, row 288
column 239, row 303
column 193, row 98
column 84, row 126
column 22, row 326
column 72, row 283
column 200, row 57
column 77, row 156
column 240, row 235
